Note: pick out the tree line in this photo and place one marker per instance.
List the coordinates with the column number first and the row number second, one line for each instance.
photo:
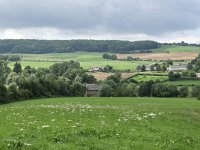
column 64, row 46
column 60, row 79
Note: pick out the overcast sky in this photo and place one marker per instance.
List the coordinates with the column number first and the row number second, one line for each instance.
column 161, row 20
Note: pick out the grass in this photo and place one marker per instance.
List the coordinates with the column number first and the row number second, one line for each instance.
column 92, row 59
column 86, row 59
column 101, row 123
column 141, row 78
column 184, row 82
column 177, row 49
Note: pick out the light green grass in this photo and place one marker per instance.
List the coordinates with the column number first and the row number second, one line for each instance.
column 86, row 59
column 177, row 49
column 141, row 78
column 101, row 123
column 184, row 82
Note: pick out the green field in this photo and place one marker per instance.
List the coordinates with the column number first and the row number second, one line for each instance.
column 184, row 82
column 93, row 59
column 141, row 78
column 101, row 123
column 86, row 59
column 177, row 49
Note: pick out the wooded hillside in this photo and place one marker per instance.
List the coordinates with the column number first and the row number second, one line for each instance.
column 64, row 46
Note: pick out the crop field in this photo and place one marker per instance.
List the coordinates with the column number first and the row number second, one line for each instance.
column 141, row 78
column 161, row 56
column 101, row 123
column 86, row 59
column 103, row 76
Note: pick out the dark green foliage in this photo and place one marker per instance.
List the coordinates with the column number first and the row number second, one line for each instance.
column 12, row 58
column 192, row 73
column 145, row 89
column 77, row 89
column 162, row 90
column 141, row 68
column 196, row 91
column 17, row 68
column 4, row 71
column 174, row 76
column 190, row 66
column 169, row 63
column 106, row 91
column 107, row 56
column 3, row 94
column 164, row 68
column 61, row 46
column 158, row 68
column 183, row 91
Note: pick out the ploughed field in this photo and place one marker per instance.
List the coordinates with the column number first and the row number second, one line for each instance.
column 161, row 56
column 101, row 123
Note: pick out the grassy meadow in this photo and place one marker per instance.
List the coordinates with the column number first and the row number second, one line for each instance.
column 142, row 78
column 184, row 82
column 92, row 59
column 101, row 123
column 86, row 59
column 177, row 49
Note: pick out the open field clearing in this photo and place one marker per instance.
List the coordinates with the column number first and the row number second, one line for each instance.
column 103, row 76
column 177, row 49
column 161, row 56
column 101, row 123
column 141, row 78
column 86, row 59
column 184, row 82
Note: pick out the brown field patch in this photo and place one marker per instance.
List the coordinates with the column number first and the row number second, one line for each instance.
column 103, row 75
column 161, row 56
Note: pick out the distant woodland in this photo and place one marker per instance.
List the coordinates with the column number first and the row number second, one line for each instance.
column 65, row 46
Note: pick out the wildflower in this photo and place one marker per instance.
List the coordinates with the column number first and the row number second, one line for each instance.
column 45, row 126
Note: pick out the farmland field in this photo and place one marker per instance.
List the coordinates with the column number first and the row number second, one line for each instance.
column 86, row 59
column 184, row 82
column 177, row 49
column 101, row 123
column 161, row 56
column 141, row 78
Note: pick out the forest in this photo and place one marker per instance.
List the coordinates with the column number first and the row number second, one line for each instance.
column 64, row 46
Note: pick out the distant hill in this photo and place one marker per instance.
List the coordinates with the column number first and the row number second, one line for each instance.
column 64, row 46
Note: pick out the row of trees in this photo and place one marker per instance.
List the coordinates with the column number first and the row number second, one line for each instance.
column 63, row 46
column 12, row 58
column 61, row 79
column 107, row 56
column 115, row 86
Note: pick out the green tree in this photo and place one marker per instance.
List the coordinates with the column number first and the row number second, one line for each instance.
column 183, row 91
column 143, row 68
column 163, row 68
column 3, row 94
column 106, row 91
column 17, row 68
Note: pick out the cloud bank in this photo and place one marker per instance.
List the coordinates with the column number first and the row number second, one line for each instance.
column 110, row 19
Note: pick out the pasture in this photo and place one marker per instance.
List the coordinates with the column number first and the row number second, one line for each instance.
column 101, row 123
column 184, row 82
column 177, row 49
column 86, row 59
column 141, row 78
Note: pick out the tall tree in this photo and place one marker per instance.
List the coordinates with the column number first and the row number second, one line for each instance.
column 17, row 68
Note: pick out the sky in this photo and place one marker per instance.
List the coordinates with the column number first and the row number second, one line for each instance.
column 160, row 20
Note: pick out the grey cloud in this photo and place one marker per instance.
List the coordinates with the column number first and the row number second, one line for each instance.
column 152, row 17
